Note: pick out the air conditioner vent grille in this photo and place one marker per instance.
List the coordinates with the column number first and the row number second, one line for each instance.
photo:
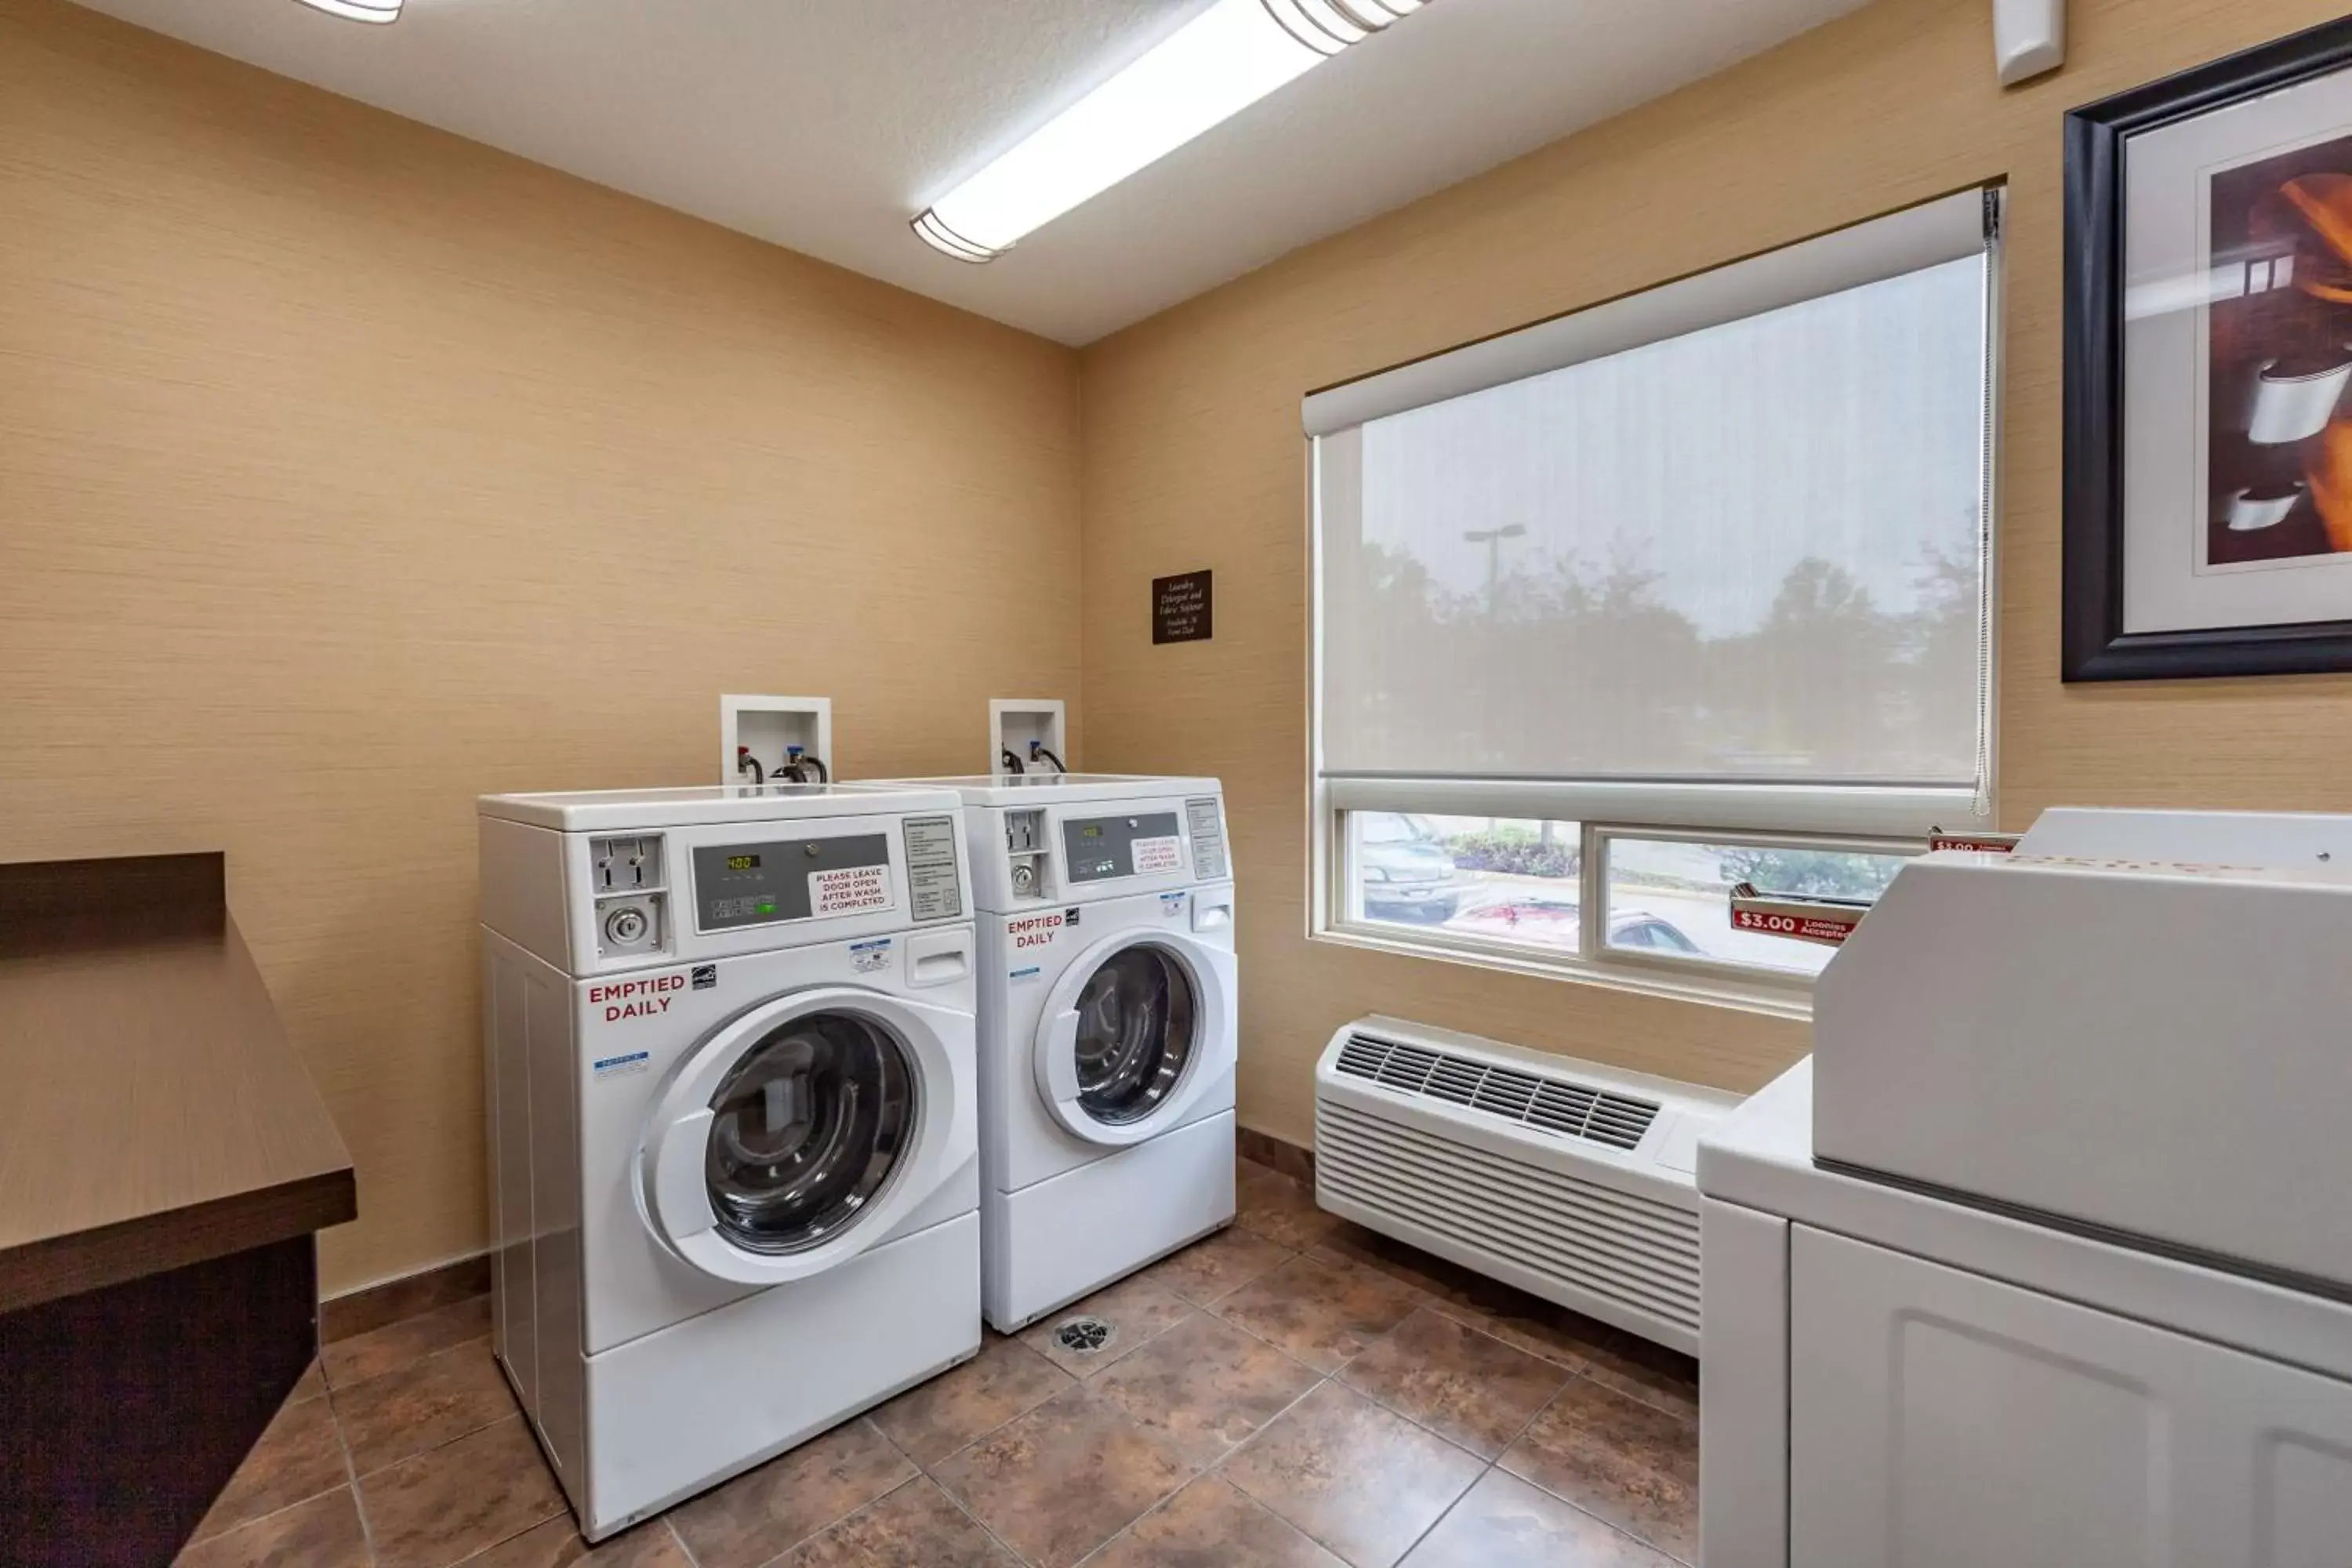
column 1559, row 1107
column 1457, row 1080
column 1618, row 1247
column 1407, row 1068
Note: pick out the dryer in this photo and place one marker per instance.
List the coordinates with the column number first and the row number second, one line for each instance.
column 1108, row 1027
column 732, row 1098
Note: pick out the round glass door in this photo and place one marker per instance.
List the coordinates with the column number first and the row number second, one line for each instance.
column 1138, row 1026
column 806, row 1130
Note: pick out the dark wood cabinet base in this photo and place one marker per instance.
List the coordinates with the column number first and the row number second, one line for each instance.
column 125, row 1410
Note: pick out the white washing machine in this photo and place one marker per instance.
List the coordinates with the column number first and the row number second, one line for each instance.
column 732, row 1104
column 1108, row 1027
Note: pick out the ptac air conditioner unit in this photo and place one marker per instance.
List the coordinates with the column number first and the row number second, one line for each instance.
column 1565, row 1178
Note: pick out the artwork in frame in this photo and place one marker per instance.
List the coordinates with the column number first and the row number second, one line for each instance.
column 2208, row 358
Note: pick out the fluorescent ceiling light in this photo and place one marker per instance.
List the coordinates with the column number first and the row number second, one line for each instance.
column 358, row 10
column 1215, row 65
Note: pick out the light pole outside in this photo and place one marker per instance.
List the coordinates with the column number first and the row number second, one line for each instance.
column 1491, row 538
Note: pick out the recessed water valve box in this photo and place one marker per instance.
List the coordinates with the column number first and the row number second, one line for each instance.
column 774, row 732
column 1032, row 729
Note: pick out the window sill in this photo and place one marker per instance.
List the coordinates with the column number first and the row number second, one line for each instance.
column 1790, row 999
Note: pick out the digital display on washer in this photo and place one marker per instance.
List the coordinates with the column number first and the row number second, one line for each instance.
column 1097, row 848
column 792, row 879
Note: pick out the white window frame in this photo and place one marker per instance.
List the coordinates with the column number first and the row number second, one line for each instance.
column 1856, row 818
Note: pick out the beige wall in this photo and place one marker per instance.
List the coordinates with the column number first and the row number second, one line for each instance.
column 1193, row 459
column 347, row 469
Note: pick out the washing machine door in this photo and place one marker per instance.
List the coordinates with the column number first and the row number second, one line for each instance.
column 1137, row 1029
column 801, row 1132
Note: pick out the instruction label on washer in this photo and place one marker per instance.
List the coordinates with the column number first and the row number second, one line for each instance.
column 623, row 1065
column 930, row 839
column 865, row 957
column 1158, row 855
column 932, row 883
column 846, row 890
column 1208, row 827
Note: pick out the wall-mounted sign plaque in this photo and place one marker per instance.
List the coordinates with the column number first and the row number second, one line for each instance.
column 1180, row 607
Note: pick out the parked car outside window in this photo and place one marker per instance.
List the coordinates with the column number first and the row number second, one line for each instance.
column 1406, row 868
column 1651, row 932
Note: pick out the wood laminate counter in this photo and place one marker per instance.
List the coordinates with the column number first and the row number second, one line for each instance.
column 153, row 1113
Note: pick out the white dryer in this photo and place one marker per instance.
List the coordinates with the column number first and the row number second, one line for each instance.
column 1108, row 997
column 732, row 1109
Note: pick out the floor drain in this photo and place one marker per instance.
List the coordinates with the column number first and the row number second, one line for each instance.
column 1084, row 1335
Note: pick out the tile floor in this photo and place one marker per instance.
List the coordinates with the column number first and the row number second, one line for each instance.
column 1295, row 1391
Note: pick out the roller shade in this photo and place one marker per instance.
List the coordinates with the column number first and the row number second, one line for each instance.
column 1728, row 535
column 1946, row 230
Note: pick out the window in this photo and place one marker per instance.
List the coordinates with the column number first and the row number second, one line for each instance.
column 1688, row 589
column 1673, row 895
column 1512, row 881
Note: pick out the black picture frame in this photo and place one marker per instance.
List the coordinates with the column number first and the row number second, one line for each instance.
column 2095, row 646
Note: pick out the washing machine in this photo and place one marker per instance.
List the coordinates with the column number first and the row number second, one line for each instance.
column 732, row 1096
column 1108, row 1027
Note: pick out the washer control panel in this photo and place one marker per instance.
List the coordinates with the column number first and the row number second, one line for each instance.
column 1144, row 843
column 790, row 879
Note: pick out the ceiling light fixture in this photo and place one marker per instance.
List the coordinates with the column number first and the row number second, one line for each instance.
column 358, row 10
column 1215, row 65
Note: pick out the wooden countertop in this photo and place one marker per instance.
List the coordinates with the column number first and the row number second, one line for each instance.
column 153, row 1112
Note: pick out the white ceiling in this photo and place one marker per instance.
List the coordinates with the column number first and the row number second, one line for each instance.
column 825, row 124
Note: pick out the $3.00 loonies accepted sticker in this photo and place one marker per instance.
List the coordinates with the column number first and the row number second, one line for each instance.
column 1806, row 919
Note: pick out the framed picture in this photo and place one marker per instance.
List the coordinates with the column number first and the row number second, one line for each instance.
column 2208, row 350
